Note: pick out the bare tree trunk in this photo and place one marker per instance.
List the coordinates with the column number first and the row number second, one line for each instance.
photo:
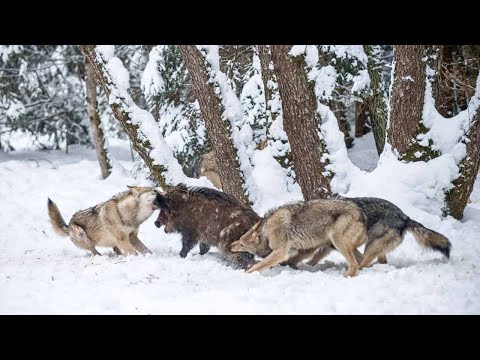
column 141, row 145
column 301, row 122
column 97, row 132
column 218, row 129
column 406, row 103
column 457, row 198
column 376, row 101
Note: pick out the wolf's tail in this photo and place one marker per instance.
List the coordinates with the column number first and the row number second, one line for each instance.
column 429, row 238
column 58, row 224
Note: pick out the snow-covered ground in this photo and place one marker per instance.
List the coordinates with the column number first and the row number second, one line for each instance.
column 41, row 273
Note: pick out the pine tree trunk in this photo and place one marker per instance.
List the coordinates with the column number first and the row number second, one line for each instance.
column 376, row 101
column 301, row 122
column 407, row 100
column 140, row 145
column 97, row 132
column 218, row 129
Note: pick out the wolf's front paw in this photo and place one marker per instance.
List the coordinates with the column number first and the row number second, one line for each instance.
column 350, row 272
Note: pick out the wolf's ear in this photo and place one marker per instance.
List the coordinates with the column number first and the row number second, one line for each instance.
column 135, row 189
column 253, row 238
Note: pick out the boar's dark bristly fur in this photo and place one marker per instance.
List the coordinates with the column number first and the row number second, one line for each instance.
column 206, row 216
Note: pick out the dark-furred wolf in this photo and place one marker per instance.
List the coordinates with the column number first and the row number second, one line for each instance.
column 387, row 225
column 113, row 223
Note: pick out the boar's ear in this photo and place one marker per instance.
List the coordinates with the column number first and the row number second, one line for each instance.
column 161, row 200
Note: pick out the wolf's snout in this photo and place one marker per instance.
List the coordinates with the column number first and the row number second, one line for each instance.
column 157, row 224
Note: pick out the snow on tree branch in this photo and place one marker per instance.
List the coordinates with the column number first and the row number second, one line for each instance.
column 148, row 130
column 242, row 134
column 339, row 163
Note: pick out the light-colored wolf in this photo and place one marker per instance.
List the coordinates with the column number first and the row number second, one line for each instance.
column 296, row 231
column 113, row 223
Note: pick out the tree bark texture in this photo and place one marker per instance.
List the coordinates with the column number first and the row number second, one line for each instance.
column 218, row 128
column 406, row 103
column 301, row 123
column 268, row 77
column 97, row 132
column 140, row 145
column 376, row 101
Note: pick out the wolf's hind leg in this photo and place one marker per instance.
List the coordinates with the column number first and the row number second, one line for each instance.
column 358, row 256
column 378, row 248
column 80, row 239
column 321, row 252
column 297, row 259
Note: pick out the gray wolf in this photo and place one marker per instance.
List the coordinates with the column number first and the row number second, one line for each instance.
column 113, row 223
column 296, row 231
column 206, row 216
column 387, row 226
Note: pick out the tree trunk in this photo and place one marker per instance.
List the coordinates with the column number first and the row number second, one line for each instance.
column 457, row 198
column 376, row 102
column 301, row 122
column 271, row 92
column 406, row 103
column 218, row 128
column 139, row 143
column 234, row 62
column 456, row 73
column 267, row 71
column 97, row 132
column 361, row 118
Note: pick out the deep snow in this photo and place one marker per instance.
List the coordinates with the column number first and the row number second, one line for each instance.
column 41, row 273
